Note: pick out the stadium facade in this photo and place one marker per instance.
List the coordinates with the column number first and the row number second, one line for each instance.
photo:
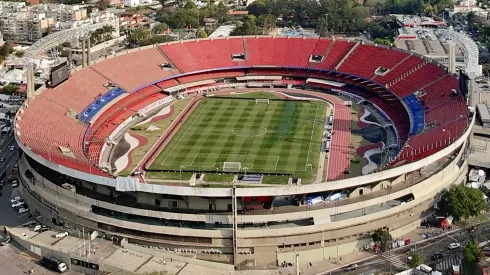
column 66, row 134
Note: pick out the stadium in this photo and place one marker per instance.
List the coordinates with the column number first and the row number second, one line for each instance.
column 246, row 151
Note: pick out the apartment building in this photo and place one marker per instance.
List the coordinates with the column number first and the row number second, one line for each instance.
column 61, row 12
column 30, row 23
column 25, row 26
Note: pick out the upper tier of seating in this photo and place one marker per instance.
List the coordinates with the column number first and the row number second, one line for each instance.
column 136, row 69
column 277, row 51
column 204, row 54
column 420, row 78
column 49, row 126
column 79, row 91
column 365, row 59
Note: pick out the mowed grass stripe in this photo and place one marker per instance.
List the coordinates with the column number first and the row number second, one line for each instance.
column 259, row 158
column 206, row 139
column 262, row 147
column 204, row 136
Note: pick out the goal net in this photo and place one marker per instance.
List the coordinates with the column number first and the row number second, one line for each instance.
column 262, row 100
column 232, row 166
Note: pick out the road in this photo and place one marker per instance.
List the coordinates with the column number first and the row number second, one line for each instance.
column 14, row 259
column 396, row 260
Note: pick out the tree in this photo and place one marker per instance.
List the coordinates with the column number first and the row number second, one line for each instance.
column 6, row 50
column 383, row 237
column 19, row 53
column 201, row 33
column 472, row 252
column 137, row 35
column 415, row 260
column 190, row 5
column 160, row 28
column 103, row 4
column 384, row 41
column 10, row 89
column 322, row 27
column 462, row 202
column 65, row 53
column 267, row 21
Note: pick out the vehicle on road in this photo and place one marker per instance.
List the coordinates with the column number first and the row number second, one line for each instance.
column 23, row 210
column 437, row 256
column 15, row 183
column 53, row 264
column 17, row 204
column 29, row 223
column 2, row 182
column 6, row 241
column 351, row 267
column 61, row 234
column 2, row 159
column 452, row 246
column 15, row 199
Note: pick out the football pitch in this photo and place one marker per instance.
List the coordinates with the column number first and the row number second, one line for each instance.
column 280, row 137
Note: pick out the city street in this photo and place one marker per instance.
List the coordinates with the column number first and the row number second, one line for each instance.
column 396, row 260
column 14, row 259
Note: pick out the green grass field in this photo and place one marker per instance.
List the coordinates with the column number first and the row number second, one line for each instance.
column 280, row 137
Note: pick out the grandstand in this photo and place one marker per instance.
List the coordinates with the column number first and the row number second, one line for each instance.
column 75, row 132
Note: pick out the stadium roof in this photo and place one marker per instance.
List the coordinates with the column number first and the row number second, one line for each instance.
column 223, row 31
column 484, row 114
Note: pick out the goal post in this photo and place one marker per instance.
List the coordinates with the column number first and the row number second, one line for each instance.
column 262, row 100
column 232, row 166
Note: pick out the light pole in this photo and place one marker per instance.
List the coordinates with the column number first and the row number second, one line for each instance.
column 444, row 130
column 245, row 169
column 181, row 167
column 411, row 151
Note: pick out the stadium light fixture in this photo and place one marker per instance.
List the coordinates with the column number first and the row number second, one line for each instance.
column 445, row 130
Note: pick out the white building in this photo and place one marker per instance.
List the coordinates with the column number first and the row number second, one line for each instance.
column 135, row 3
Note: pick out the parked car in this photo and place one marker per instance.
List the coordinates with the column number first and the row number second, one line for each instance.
column 452, row 246
column 15, row 183
column 15, row 199
column 17, row 204
column 2, row 182
column 437, row 256
column 351, row 267
column 44, row 228
column 61, row 234
column 23, row 210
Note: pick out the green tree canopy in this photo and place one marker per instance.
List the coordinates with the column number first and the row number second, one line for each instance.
column 472, row 252
column 160, row 28
column 202, row 33
column 10, row 89
column 461, row 202
column 190, row 5
column 415, row 260
column 383, row 237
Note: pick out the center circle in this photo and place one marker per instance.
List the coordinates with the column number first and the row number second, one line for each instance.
column 250, row 132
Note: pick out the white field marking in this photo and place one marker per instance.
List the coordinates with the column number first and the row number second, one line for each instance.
column 311, row 138
column 184, row 134
column 194, row 159
column 277, row 162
